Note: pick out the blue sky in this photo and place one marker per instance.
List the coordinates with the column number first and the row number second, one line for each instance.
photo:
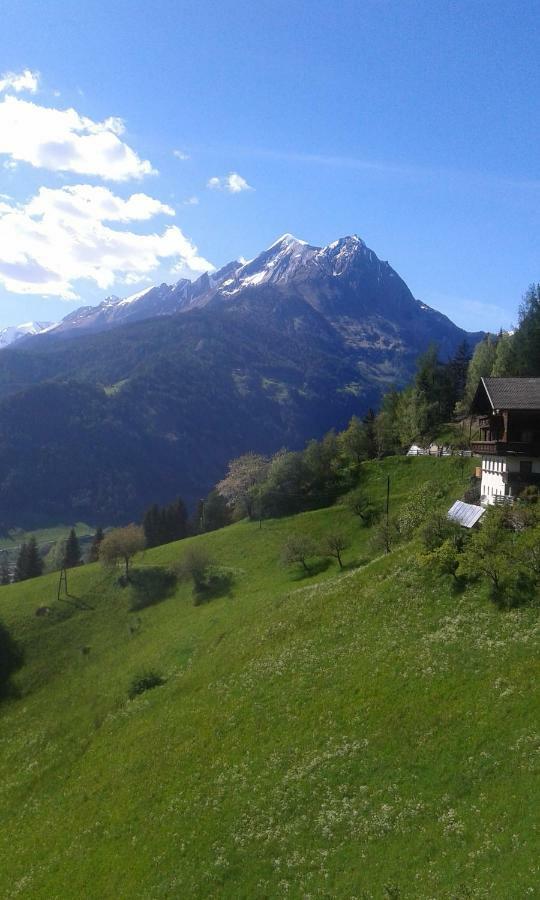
column 413, row 124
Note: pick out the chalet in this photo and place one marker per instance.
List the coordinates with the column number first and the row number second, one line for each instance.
column 509, row 418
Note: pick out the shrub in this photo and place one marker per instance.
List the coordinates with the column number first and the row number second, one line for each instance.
column 151, row 585
column 194, row 565
column 145, row 681
column 333, row 545
column 209, row 579
column 121, row 545
column 385, row 535
column 415, row 510
column 363, row 507
column 299, row 548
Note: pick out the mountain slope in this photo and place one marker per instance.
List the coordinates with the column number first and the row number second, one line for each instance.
column 257, row 356
column 370, row 734
column 14, row 333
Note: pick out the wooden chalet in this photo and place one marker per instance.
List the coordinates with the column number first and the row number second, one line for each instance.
column 509, row 418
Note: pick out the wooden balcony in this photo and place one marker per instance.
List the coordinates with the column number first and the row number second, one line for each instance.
column 504, row 448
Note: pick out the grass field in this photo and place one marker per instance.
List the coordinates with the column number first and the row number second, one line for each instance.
column 364, row 734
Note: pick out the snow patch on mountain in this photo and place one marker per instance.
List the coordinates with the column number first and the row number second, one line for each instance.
column 14, row 333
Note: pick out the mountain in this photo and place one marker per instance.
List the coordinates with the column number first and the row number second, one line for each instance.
column 147, row 397
column 14, row 333
column 363, row 298
column 159, row 300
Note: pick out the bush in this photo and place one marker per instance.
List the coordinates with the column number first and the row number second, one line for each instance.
column 363, row 507
column 335, row 544
column 209, row 579
column 145, row 681
column 385, row 535
column 194, row 565
column 440, row 528
column 121, row 545
column 417, row 507
column 151, row 585
column 299, row 548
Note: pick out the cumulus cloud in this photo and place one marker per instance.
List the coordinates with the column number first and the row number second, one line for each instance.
column 233, row 183
column 20, row 81
column 62, row 235
column 64, row 141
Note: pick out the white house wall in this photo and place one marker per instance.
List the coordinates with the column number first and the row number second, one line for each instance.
column 493, row 470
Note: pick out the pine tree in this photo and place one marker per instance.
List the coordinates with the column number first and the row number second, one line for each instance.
column 505, row 357
column 93, row 556
column 458, row 367
column 152, row 526
column 216, row 512
column 527, row 337
column 29, row 562
column 165, row 524
column 4, row 574
column 34, row 562
column 72, row 554
column 21, row 566
column 180, row 519
column 480, row 366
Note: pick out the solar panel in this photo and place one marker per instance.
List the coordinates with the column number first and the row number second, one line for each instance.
column 466, row 514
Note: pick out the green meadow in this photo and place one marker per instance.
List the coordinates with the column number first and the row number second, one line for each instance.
column 365, row 733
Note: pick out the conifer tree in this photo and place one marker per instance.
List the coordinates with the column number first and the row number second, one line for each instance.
column 34, row 562
column 152, row 526
column 21, row 566
column 4, row 574
column 93, row 556
column 527, row 337
column 29, row 562
column 72, row 554
column 216, row 513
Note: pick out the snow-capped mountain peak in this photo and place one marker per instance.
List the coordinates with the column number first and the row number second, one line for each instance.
column 133, row 297
column 286, row 239
column 340, row 275
column 15, row 332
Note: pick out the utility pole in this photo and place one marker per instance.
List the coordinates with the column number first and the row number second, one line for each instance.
column 387, row 536
column 62, row 581
column 201, row 521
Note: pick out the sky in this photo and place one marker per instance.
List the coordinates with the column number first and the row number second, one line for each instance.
column 142, row 142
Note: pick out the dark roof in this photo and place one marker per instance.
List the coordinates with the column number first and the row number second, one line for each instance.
column 513, row 393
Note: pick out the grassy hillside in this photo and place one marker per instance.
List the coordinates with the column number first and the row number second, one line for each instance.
column 367, row 734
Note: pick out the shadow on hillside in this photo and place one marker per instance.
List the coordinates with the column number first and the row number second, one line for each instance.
column 218, row 583
column 149, row 586
column 315, row 569
column 11, row 660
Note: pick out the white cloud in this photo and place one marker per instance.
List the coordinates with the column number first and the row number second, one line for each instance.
column 64, row 141
column 61, row 236
column 20, row 81
column 180, row 154
column 233, row 183
column 191, row 201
